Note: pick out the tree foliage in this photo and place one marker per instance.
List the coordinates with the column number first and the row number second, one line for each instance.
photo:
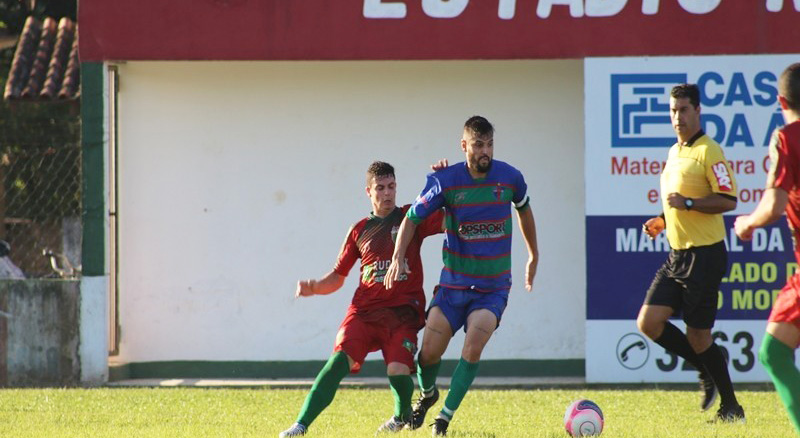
column 14, row 12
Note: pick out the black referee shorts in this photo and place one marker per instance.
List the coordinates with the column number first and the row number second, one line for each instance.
column 689, row 283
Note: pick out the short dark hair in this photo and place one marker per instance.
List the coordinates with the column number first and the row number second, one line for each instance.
column 478, row 126
column 690, row 91
column 379, row 169
column 789, row 86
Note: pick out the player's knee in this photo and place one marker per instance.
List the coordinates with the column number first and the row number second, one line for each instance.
column 427, row 357
column 397, row 369
column 472, row 352
column 651, row 328
column 471, row 356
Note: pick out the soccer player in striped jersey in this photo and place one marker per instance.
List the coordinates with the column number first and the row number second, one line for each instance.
column 376, row 320
column 782, row 193
column 477, row 195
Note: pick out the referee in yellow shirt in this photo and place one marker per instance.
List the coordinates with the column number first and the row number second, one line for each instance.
column 697, row 186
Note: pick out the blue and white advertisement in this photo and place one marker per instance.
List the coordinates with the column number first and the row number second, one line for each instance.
column 628, row 134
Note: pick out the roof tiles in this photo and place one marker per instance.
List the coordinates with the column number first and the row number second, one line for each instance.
column 45, row 65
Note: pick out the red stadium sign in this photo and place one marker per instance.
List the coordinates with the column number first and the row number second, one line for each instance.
column 432, row 29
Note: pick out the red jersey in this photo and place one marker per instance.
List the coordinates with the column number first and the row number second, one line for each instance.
column 784, row 173
column 372, row 240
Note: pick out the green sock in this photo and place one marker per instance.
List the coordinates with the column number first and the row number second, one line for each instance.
column 778, row 359
column 402, row 389
column 462, row 379
column 427, row 376
column 324, row 388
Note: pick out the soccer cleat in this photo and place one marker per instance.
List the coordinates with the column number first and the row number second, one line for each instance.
column 709, row 389
column 393, row 424
column 297, row 429
column 421, row 408
column 440, row 427
column 733, row 414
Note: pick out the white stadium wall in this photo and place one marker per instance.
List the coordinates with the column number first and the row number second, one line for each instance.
column 237, row 179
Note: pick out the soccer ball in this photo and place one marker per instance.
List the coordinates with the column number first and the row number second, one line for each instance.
column 583, row 418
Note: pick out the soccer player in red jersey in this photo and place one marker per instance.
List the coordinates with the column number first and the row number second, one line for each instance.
column 782, row 193
column 376, row 319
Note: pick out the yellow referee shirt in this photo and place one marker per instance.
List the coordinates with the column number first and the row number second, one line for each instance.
column 695, row 169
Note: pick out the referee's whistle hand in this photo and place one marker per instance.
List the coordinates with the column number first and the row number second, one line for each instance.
column 653, row 227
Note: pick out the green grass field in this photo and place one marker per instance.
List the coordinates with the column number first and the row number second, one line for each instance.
column 196, row 412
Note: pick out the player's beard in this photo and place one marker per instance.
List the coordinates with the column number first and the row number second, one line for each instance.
column 483, row 168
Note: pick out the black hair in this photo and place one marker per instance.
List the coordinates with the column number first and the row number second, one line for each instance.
column 789, row 86
column 690, row 91
column 379, row 169
column 478, row 126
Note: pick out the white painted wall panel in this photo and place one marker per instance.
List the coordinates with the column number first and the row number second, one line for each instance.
column 238, row 179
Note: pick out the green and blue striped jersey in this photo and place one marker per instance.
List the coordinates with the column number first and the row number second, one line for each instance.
column 477, row 245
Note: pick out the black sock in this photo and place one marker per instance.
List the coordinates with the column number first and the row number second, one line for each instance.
column 716, row 365
column 675, row 341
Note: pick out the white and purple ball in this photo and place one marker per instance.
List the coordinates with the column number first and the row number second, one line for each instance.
column 583, row 418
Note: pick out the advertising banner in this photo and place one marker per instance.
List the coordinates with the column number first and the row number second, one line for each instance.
column 628, row 135
column 431, row 29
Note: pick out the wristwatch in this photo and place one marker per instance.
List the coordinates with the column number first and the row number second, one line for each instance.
column 689, row 203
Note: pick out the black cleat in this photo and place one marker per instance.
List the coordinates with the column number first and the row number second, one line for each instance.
column 709, row 390
column 733, row 414
column 421, row 409
column 440, row 427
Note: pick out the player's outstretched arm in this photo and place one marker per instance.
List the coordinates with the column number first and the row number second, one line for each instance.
column 769, row 209
column 330, row 283
column 527, row 225
column 398, row 265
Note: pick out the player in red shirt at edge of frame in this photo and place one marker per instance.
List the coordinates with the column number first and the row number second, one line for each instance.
column 782, row 193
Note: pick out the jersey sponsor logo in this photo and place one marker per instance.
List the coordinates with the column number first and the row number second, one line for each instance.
column 724, row 180
column 482, row 230
column 375, row 272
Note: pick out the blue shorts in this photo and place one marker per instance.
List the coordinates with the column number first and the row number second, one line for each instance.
column 457, row 304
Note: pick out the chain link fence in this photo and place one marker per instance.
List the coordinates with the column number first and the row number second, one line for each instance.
column 40, row 195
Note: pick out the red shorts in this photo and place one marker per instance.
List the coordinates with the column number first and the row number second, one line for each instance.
column 787, row 306
column 392, row 332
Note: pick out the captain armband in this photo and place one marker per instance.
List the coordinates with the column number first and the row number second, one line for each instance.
column 524, row 202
